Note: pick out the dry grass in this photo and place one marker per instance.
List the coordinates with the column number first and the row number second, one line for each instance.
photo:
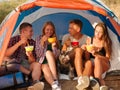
column 114, row 5
column 7, row 6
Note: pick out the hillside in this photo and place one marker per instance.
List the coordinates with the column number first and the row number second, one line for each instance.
column 114, row 5
column 8, row 5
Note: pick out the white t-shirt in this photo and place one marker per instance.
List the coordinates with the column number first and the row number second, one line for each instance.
column 81, row 40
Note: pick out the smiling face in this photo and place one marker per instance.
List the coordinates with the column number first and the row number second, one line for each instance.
column 49, row 30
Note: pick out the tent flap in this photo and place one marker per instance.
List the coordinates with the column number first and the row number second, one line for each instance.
column 7, row 28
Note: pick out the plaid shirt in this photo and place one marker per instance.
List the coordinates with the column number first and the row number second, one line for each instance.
column 41, row 51
column 20, row 53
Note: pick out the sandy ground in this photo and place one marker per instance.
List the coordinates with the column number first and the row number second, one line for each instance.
column 112, row 80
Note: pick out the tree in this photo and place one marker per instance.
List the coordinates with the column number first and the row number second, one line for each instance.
column 7, row 6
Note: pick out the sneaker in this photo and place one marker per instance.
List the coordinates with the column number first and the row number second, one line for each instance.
column 37, row 86
column 30, row 88
column 104, row 87
column 83, row 82
column 94, row 84
column 56, row 86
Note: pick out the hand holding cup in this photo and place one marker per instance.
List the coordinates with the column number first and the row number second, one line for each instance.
column 29, row 48
column 90, row 48
column 75, row 43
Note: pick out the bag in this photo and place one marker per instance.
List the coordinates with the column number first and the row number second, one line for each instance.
column 11, row 80
column 9, row 67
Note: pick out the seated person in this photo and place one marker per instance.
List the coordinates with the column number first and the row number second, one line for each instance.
column 100, row 49
column 25, row 59
column 47, row 51
column 73, row 43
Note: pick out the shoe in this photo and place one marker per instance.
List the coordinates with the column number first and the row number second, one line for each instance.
column 30, row 88
column 94, row 84
column 83, row 82
column 104, row 87
column 37, row 86
column 56, row 86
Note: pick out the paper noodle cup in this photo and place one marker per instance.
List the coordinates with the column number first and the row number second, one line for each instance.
column 89, row 47
column 52, row 39
column 29, row 48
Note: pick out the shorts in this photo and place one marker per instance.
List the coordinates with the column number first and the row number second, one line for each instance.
column 45, row 59
column 25, row 63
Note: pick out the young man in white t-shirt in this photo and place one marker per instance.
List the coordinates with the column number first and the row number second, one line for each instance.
column 72, row 42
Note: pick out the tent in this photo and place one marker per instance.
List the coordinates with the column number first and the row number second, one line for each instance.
column 60, row 12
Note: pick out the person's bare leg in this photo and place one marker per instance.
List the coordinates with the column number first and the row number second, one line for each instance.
column 101, row 65
column 24, row 70
column 52, row 64
column 78, row 61
column 83, row 81
column 88, row 67
column 36, row 71
column 47, row 73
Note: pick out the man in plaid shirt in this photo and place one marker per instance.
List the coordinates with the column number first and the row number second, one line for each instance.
column 26, row 59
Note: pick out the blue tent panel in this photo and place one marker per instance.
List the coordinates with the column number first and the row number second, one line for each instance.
column 61, row 22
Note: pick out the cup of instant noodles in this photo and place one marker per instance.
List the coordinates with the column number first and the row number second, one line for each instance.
column 52, row 39
column 89, row 47
column 29, row 48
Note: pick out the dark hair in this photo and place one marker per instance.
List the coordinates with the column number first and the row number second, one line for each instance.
column 24, row 25
column 77, row 22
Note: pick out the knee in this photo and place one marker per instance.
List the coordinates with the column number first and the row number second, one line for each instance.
column 89, row 64
column 97, row 60
column 36, row 65
column 48, row 52
column 78, row 50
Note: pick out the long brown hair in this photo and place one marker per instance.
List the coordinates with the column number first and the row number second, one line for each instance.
column 106, row 38
column 54, row 33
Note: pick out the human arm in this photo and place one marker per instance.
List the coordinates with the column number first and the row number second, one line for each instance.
column 14, row 44
column 30, row 56
column 39, row 48
column 43, row 39
column 108, row 52
column 84, row 47
column 66, row 44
